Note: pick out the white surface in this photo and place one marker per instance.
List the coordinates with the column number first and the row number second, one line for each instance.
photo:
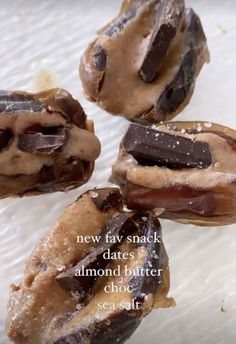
column 52, row 35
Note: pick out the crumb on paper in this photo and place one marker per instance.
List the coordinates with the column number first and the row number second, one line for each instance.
column 221, row 28
column 222, row 307
column 43, row 80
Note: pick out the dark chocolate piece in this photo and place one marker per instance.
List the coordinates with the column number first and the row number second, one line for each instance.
column 71, row 108
column 175, row 93
column 117, row 328
column 153, row 147
column 107, row 198
column 148, row 226
column 5, row 137
column 178, row 90
column 43, row 143
column 167, row 22
column 119, row 225
column 7, row 96
column 10, row 102
column 196, row 35
column 100, row 57
column 120, row 23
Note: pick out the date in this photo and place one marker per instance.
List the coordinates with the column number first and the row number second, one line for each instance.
column 185, row 171
column 47, row 143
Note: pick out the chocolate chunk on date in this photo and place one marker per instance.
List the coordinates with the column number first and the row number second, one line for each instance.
column 152, row 147
column 175, row 93
column 152, row 52
column 65, row 315
column 166, row 26
column 10, row 102
column 5, row 137
column 100, row 57
column 118, row 327
column 148, row 226
column 120, row 23
column 107, row 198
column 46, row 143
column 73, row 278
column 42, row 143
column 185, row 171
column 196, row 36
column 180, row 88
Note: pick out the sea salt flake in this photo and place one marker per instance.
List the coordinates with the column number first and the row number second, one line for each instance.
column 93, row 194
column 208, row 124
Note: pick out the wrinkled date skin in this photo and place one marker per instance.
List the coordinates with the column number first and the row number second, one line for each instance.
column 184, row 170
column 52, row 305
column 143, row 64
column 46, row 143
